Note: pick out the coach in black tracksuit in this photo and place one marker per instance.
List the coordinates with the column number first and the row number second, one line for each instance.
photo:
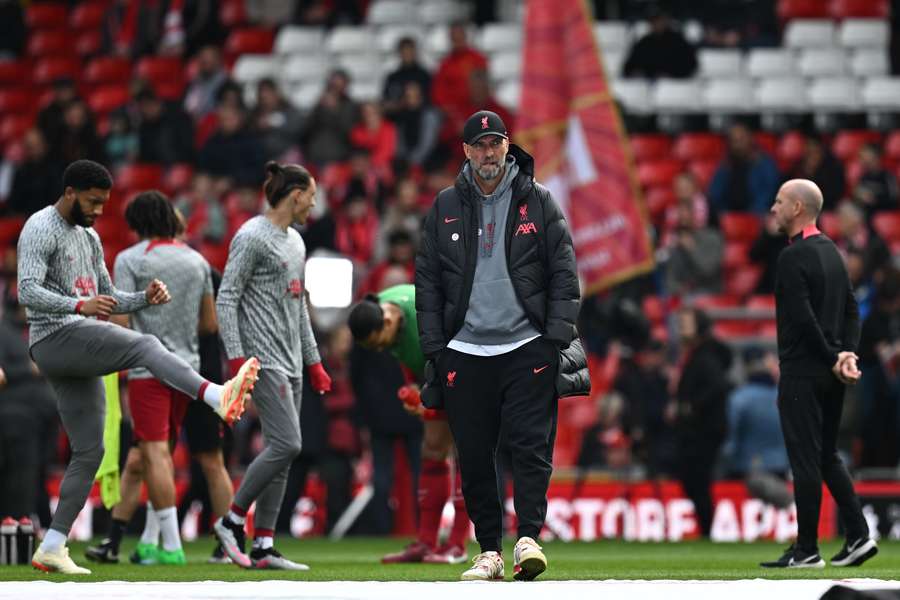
column 818, row 330
column 497, row 297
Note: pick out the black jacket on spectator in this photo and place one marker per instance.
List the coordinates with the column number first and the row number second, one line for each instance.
column 35, row 185
column 541, row 267
column 702, row 397
column 167, row 140
column 666, row 54
column 238, row 156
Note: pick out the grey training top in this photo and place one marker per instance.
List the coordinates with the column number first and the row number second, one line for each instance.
column 60, row 265
column 261, row 305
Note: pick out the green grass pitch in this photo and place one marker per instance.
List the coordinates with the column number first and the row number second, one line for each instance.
column 357, row 559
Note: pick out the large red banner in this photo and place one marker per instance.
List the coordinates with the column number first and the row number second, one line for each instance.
column 568, row 121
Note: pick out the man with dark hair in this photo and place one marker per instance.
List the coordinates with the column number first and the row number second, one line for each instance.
column 156, row 409
column 63, row 280
column 409, row 70
column 388, row 322
column 818, row 331
column 497, row 297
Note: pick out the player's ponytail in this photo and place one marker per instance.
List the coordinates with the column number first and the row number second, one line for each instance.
column 281, row 180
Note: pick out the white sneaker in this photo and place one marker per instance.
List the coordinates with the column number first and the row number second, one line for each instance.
column 529, row 561
column 487, row 566
column 57, row 561
column 236, row 391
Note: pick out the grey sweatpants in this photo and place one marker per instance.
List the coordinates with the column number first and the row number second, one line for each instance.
column 277, row 398
column 74, row 359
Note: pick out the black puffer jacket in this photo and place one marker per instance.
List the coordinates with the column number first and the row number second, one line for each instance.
column 540, row 258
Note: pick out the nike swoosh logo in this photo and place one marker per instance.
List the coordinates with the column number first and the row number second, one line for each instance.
column 536, row 371
column 448, row 220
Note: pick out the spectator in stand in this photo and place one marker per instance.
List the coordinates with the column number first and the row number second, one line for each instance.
column 820, row 165
column 50, row 119
column 133, row 28
column 326, row 133
column 863, row 289
column 764, row 252
column 606, row 444
column 701, row 397
column 401, row 214
column 356, row 227
column 376, row 135
column 662, row 52
column 328, row 12
column 37, row 181
column 401, row 253
column 687, row 193
column 233, row 150
column 755, row 442
column 450, row 86
column 203, row 211
column 644, row 385
column 201, row 96
column 12, row 29
column 276, row 121
column 79, row 136
column 876, row 189
column 418, row 126
column 856, row 234
column 202, row 27
column 231, row 94
column 879, row 360
column 479, row 98
column 165, row 131
column 121, row 142
column 365, row 179
column 694, row 264
column 409, row 71
column 747, row 179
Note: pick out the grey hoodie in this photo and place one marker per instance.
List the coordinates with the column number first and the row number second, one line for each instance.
column 494, row 317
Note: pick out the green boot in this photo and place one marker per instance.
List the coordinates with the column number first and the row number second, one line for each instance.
column 171, row 557
column 145, row 554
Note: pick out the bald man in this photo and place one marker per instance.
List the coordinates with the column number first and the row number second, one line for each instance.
column 818, row 330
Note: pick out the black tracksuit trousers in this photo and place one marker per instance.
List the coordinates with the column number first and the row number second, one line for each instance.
column 810, row 409
column 515, row 392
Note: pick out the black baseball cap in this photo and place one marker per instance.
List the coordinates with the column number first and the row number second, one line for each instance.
column 483, row 123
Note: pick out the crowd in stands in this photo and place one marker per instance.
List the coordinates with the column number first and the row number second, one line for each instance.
column 684, row 385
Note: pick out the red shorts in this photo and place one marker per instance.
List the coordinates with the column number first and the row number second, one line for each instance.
column 156, row 409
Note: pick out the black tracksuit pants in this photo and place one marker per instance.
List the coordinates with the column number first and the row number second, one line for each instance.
column 515, row 392
column 810, row 409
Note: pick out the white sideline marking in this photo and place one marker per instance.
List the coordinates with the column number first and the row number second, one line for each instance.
column 747, row 589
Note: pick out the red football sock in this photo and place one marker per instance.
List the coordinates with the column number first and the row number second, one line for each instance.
column 459, row 533
column 434, row 489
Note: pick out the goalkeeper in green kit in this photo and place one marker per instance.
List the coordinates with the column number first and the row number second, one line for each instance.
column 387, row 321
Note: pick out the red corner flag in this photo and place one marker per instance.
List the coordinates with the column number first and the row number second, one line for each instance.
column 568, row 121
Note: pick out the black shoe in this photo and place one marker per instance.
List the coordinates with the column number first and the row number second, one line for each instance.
column 795, row 558
column 855, row 553
column 105, row 552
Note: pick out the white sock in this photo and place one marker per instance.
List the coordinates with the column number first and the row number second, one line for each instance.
column 53, row 541
column 212, row 394
column 168, row 527
column 150, row 535
column 263, row 542
column 235, row 518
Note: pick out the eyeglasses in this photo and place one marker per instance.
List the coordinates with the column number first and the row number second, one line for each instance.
column 494, row 144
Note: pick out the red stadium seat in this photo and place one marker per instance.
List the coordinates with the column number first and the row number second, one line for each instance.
column 88, row 15
column 713, row 301
column 14, row 72
column 658, row 172
column 892, row 148
column 767, row 142
column 166, row 75
column 253, row 40
column 846, row 143
column 852, row 172
column 703, row 171
column 845, row 9
column 736, row 255
column 742, row 281
column 736, row 328
column 698, row 146
column 9, row 229
column 178, row 178
column 108, row 98
column 232, row 13
column 658, row 199
column 46, row 15
column 653, row 308
column 828, row 224
column 650, row 147
column 790, row 149
column 739, row 226
column 48, row 70
column 52, row 42
column 88, row 43
column 140, row 177
column 13, row 128
column 761, row 302
column 17, row 101
column 887, row 225
column 106, row 70
column 215, row 254
column 801, row 9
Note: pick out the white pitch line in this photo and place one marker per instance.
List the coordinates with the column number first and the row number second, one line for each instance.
column 748, row 589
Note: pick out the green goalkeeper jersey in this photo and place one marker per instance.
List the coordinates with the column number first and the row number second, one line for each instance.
column 406, row 348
